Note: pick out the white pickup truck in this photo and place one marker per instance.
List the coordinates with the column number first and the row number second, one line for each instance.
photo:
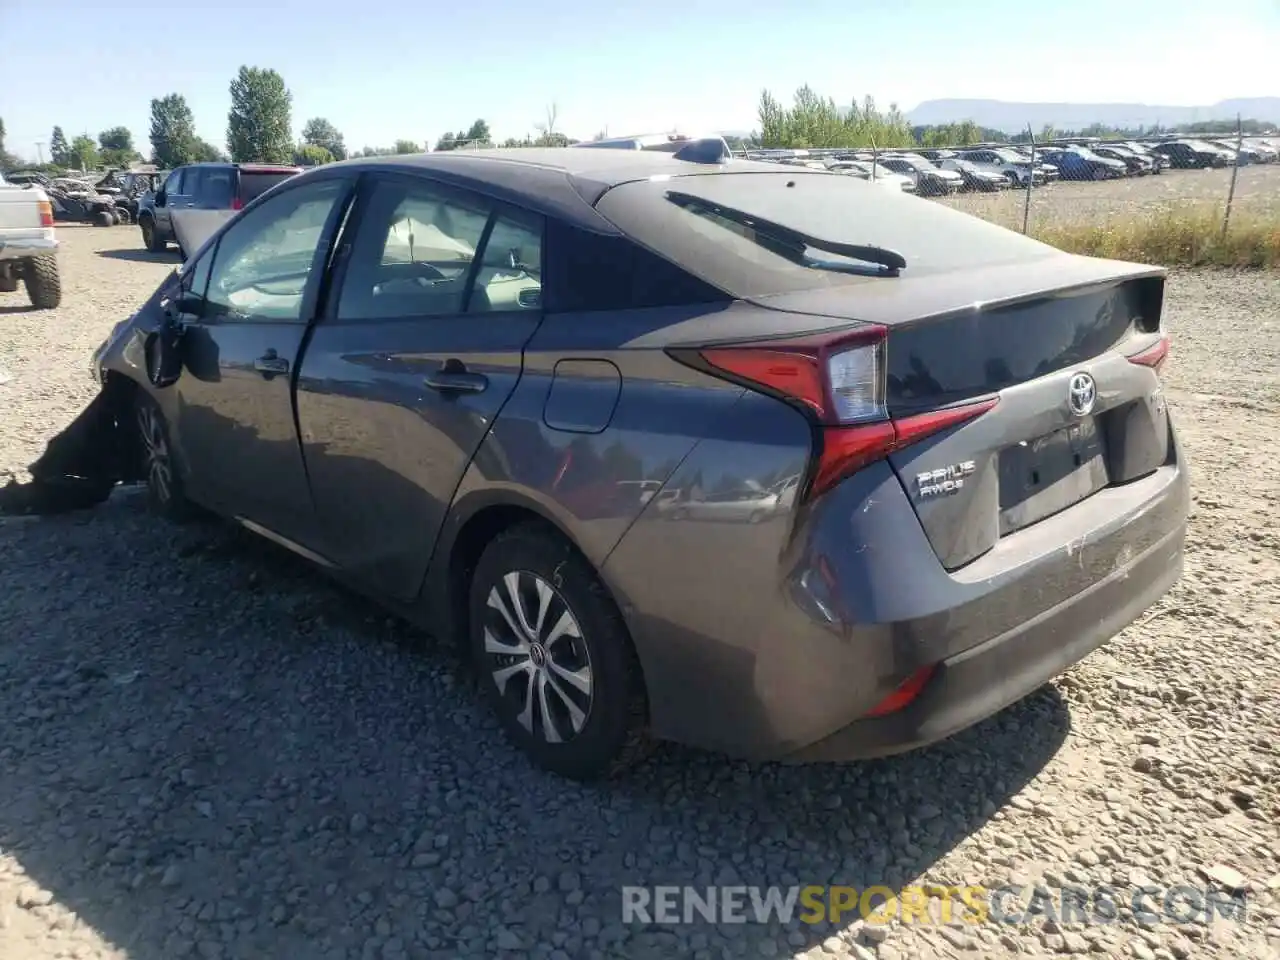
column 28, row 247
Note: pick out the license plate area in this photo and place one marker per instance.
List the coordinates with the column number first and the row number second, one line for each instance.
column 1044, row 476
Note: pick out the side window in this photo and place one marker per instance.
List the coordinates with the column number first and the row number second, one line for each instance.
column 413, row 252
column 510, row 272
column 264, row 260
column 193, row 182
column 590, row 272
column 173, row 186
column 215, row 189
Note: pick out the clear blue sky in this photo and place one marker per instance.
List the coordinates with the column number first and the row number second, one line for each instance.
column 385, row 69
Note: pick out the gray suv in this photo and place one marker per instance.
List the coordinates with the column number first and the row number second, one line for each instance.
column 196, row 199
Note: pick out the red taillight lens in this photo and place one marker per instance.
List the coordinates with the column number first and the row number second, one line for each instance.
column 905, row 693
column 842, row 381
column 46, row 213
column 237, row 203
column 1154, row 356
column 841, row 378
column 846, row 450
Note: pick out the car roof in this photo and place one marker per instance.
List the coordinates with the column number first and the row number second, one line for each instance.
column 554, row 181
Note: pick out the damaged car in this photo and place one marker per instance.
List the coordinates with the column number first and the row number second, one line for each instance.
column 486, row 387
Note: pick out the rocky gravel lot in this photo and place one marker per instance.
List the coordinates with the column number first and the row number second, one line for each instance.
column 210, row 751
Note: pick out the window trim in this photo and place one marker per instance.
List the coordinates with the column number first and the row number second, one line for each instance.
column 321, row 264
column 346, row 248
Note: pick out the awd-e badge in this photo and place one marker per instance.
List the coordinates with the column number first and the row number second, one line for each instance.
column 945, row 480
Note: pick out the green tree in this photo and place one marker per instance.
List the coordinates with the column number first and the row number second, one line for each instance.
column 58, row 147
column 202, row 151
column 406, row 146
column 84, row 152
column 319, row 132
column 5, row 159
column 259, row 125
column 116, row 146
column 173, row 133
column 311, row 155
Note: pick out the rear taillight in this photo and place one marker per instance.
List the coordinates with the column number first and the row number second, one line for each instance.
column 1153, row 356
column 46, row 213
column 237, row 203
column 841, row 382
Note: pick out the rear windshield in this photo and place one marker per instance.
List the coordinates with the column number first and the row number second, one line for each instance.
column 738, row 260
column 254, row 184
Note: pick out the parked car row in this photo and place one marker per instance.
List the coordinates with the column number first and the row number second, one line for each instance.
column 990, row 167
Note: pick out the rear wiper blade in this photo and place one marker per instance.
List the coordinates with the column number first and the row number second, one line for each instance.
column 891, row 260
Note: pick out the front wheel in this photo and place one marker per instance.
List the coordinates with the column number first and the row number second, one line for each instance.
column 149, row 238
column 165, row 492
column 554, row 656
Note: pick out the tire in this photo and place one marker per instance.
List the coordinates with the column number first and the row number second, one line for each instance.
column 122, row 215
column 44, row 286
column 103, row 218
column 149, row 239
column 159, row 464
column 598, row 720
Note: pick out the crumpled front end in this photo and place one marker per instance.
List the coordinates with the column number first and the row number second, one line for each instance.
column 83, row 462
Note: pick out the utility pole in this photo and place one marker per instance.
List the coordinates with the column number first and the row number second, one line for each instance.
column 40, row 152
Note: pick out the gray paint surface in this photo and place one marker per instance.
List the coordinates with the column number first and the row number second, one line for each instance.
column 766, row 622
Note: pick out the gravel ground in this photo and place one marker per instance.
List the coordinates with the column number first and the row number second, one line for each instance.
column 1257, row 192
column 210, row 751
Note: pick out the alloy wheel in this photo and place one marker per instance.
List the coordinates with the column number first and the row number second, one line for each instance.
column 537, row 656
column 155, row 451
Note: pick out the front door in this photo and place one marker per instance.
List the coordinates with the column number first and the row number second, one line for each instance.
column 407, row 370
column 235, row 423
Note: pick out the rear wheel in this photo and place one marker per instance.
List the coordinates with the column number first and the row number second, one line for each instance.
column 103, row 218
column 159, row 466
column 44, row 285
column 554, row 656
column 122, row 215
column 149, row 239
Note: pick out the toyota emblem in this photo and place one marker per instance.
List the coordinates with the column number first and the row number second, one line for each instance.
column 1082, row 392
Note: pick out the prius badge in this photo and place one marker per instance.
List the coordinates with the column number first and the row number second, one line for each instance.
column 944, row 480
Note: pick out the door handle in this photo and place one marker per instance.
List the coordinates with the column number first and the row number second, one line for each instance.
column 270, row 364
column 453, row 377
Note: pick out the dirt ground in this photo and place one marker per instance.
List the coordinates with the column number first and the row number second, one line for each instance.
column 210, row 751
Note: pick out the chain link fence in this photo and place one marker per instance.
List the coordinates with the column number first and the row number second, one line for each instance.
column 1169, row 196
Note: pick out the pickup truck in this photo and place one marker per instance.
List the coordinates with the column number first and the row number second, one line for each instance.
column 28, row 247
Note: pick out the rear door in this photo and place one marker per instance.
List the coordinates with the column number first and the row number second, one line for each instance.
column 438, row 293
column 210, row 191
column 235, row 419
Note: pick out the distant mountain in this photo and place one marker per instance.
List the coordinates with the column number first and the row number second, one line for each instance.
column 1014, row 117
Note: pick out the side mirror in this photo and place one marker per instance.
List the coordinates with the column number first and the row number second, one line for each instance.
column 163, row 354
column 160, row 197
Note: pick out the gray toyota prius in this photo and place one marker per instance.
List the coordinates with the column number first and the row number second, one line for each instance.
column 759, row 459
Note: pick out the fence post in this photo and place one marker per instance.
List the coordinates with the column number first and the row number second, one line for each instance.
column 1235, row 171
column 1031, row 178
column 875, row 157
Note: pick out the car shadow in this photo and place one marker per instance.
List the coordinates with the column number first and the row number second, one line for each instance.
column 211, row 742
column 140, row 256
column 18, row 308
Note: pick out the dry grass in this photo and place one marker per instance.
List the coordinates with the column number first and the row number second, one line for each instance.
column 1185, row 236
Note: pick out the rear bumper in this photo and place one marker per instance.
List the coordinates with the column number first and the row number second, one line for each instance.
column 20, row 248
column 977, row 683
